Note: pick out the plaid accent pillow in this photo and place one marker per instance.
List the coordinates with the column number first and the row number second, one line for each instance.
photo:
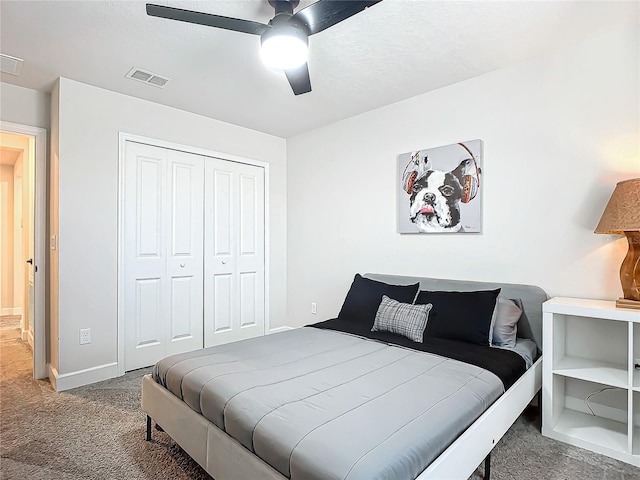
column 402, row 318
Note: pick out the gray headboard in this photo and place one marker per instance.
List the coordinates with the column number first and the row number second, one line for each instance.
column 530, row 325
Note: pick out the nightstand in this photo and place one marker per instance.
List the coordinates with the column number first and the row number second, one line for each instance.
column 590, row 388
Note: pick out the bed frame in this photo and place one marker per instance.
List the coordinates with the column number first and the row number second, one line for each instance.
column 224, row 458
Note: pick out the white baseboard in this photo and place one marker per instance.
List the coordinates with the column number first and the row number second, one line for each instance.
column 24, row 335
column 280, row 329
column 11, row 311
column 30, row 338
column 66, row 381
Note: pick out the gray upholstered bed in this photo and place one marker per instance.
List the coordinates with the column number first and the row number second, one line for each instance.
column 316, row 403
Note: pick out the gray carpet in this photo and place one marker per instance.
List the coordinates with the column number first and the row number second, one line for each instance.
column 98, row 431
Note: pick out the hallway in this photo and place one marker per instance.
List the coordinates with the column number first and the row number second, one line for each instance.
column 15, row 355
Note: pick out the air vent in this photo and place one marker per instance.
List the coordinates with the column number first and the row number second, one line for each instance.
column 149, row 78
column 10, row 65
column 158, row 81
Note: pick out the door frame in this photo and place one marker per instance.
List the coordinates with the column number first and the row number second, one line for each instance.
column 40, row 241
column 124, row 137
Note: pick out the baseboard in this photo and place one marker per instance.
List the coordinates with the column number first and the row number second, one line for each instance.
column 280, row 329
column 30, row 338
column 24, row 335
column 10, row 311
column 67, row 381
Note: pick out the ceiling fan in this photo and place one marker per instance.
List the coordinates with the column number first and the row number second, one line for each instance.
column 285, row 38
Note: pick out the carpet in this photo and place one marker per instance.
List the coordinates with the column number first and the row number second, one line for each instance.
column 98, row 432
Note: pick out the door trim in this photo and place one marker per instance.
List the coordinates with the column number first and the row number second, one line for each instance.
column 40, row 369
column 124, row 137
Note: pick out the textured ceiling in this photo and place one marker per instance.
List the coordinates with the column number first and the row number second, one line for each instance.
column 394, row 50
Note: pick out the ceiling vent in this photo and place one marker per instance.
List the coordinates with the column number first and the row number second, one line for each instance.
column 149, row 78
column 10, row 65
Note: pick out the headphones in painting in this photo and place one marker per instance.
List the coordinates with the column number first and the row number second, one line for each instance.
column 410, row 176
column 470, row 182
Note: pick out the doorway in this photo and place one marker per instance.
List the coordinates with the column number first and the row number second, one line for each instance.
column 22, row 236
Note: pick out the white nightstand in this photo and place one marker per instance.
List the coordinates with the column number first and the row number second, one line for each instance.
column 590, row 345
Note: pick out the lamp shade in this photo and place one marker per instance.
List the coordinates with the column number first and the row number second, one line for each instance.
column 622, row 213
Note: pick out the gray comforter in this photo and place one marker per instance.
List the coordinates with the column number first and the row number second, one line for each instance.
column 321, row 404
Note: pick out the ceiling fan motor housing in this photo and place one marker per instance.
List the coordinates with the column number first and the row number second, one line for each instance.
column 284, row 6
column 280, row 25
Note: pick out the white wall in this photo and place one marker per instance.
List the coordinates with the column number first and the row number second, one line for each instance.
column 6, row 240
column 24, row 106
column 559, row 131
column 19, row 194
column 89, row 120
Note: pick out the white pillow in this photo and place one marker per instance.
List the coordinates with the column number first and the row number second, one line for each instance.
column 504, row 323
column 402, row 318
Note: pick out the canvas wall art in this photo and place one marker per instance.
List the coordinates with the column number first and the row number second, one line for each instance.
column 440, row 189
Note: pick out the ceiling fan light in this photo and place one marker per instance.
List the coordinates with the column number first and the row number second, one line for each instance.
column 284, row 50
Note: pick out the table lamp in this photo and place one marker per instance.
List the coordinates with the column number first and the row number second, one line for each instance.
column 622, row 216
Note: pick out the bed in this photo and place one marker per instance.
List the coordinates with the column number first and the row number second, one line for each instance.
column 335, row 400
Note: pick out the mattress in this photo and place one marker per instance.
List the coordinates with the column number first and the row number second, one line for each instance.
column 378, row 409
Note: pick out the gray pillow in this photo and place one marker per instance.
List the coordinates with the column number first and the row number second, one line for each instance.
column 504, row 323
column 402, row 318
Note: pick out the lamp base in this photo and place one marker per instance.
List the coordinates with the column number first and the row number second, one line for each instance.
column 625, row 303
column 630, row 268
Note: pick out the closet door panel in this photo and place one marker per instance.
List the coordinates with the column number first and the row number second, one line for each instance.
column 251, row 249
column 148, row 332
column 185, row 257
column 223, row 287
column 234, row 250
column 162, row 252
column 248, row 292
column 145, row 287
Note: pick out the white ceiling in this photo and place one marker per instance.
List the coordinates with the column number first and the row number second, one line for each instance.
column 394, row 50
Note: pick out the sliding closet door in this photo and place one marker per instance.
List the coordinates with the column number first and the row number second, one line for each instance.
column 162, row 253
column 234, row 252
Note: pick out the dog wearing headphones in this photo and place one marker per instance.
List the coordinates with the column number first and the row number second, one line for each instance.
column 435, row 195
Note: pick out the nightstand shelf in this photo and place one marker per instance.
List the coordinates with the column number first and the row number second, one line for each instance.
column 591, row 390
column 592, row 371
column 592, row 430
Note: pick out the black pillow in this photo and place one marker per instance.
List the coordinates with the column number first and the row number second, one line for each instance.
column 364, row 297
column 463, row 316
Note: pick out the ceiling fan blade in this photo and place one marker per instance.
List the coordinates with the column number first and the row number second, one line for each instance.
column 325, row 13
column 299, row 79
column 207, row 19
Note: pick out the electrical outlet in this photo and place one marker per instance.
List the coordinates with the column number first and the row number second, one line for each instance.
column 636, row 363
column 85, row 336
column 314, row 308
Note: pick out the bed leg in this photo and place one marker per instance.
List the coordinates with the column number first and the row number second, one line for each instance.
column 148, row 428
column 540, row 410
column 540, row 401
column 487, row 467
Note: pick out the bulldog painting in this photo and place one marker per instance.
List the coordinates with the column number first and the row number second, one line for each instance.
column 440, row 189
